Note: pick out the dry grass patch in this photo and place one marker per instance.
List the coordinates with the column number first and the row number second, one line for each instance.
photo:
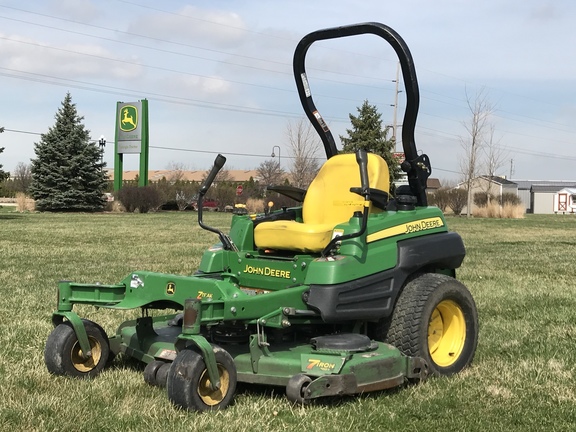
column 255, row 205
column 24, row 203
column 506, row 211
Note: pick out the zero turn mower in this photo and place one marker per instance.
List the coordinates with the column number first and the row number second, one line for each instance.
column 352, row 291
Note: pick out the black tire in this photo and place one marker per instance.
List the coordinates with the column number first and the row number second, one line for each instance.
column 63, row 355
column 435, row 318
column 296, row 389
column 188, row 384
column 162, row 375
column 151, row 370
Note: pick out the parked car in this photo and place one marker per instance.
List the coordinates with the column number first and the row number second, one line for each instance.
column 208, row 204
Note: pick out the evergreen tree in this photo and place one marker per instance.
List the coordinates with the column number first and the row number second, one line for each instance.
column 67, row 174
column 367, row 133
column 3, row 174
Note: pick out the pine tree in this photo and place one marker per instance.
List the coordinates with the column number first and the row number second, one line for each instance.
column 3, row 174
column 67, row 174
column 367, row 133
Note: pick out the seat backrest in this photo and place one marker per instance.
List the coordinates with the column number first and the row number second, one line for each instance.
column 329, row 200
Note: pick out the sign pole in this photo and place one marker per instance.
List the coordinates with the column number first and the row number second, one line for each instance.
column 143, row 176
column 118, row 157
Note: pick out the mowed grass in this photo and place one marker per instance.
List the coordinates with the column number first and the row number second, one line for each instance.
column 521, row 273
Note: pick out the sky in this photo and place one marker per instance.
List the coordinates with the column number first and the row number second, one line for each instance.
column 218, row 76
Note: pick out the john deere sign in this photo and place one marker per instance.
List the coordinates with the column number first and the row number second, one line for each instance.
column 129, row 129
column 131, row 138
column 129, row 118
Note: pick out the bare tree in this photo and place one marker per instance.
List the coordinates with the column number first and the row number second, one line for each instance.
column 177, row 171
column 22, row 177
column 223, row 188
column 493, row 159
column 303, row 148
column 270, row 173
column 476, row 127
column 494, row 156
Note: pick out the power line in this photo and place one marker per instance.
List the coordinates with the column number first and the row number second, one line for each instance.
column 221, row 61
column 251, row 58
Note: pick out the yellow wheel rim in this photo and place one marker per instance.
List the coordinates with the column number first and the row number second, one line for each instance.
column 86, row 364
column 214, row 397
column 446, row 333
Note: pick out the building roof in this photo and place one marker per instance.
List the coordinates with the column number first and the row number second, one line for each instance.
column 433, row 183
column 527, row 184
column 197, row 176
column 543, row 188
column 498, row 180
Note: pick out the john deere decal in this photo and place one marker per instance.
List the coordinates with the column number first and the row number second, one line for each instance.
column 170, row 288
column 128, row 118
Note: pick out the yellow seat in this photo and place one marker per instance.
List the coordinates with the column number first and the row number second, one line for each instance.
column 328, row 202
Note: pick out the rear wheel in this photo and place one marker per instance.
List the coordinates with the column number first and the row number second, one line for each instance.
column 189, row 386
column 63, row 355
column 435, row 318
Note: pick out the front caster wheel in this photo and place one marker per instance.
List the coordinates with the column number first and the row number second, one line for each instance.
column 296, row 389
column 189, row 386
column 155, row 373
column 63, row 355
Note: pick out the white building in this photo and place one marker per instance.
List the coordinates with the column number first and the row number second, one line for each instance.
column 565, row 201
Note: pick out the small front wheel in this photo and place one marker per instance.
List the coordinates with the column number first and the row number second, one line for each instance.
column 296, row 389
column 189, row 385
column 63, row 355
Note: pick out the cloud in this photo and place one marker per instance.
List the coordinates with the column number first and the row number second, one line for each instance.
column 65, row 61
column 223, row 29
column 210, row 88
column 544, row 12
column 77, row 10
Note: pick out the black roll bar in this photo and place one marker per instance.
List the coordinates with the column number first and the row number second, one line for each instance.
column 416, row 166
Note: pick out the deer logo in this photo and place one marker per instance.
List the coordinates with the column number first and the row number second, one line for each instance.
column 128, row 118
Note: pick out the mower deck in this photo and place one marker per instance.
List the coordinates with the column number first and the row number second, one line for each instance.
column 341, row 364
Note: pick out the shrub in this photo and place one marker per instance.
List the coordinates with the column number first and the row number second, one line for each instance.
column 142, row 198
column 457, row 200
column 509, row 198
column 481, row 199
column 440, row 198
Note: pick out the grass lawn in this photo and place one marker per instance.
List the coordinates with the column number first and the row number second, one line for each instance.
column 521, row 273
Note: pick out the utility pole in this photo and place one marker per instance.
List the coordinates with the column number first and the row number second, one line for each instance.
column 511, row 168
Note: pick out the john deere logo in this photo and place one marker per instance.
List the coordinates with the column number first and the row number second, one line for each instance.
column 128, row 118
column 170, row 288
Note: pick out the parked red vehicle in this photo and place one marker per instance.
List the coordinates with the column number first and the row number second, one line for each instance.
column 208, row 204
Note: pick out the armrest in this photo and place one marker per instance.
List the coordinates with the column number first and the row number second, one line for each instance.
column 378, row 197
column 295, row 193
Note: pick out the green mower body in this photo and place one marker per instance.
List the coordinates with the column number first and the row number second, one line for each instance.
column 376, row 307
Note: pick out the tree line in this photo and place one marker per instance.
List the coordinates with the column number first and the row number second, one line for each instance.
column 68, row 173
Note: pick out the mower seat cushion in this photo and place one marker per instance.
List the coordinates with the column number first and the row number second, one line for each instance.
column 292, row 235
column 328, row 202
